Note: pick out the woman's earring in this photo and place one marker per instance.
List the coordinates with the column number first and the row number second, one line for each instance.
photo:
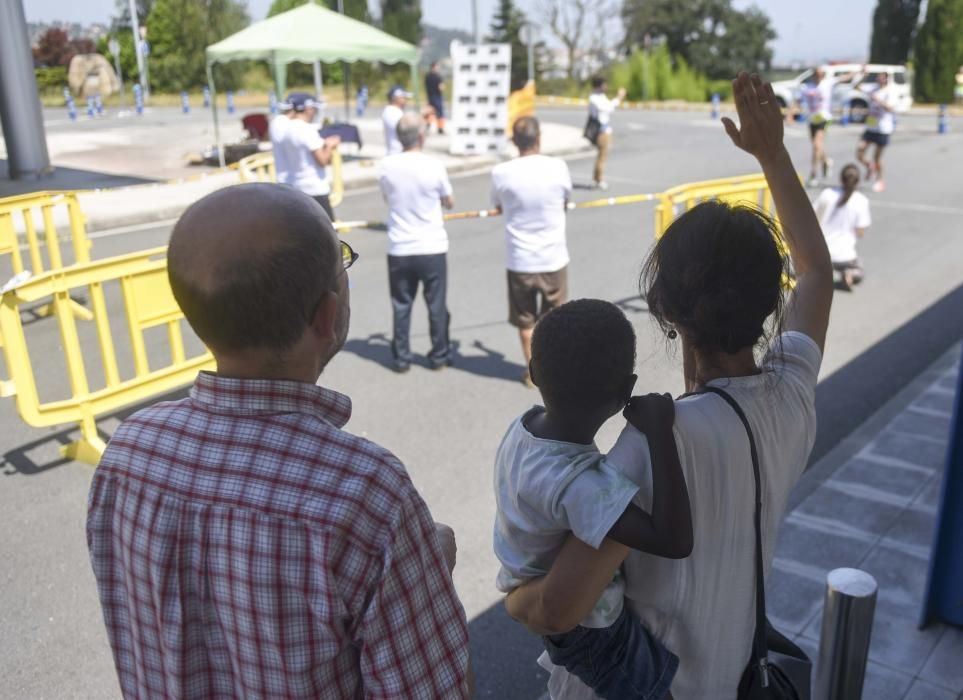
column 672, row 334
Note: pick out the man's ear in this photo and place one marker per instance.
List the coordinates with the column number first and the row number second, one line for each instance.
column 323, row 325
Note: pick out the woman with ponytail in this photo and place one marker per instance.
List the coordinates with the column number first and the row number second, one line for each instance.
column 844, row 216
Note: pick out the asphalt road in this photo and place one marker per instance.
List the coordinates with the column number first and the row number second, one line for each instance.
column 446, row 426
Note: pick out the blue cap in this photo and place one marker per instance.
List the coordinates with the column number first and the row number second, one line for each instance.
column 398, row 91
column 299, row 101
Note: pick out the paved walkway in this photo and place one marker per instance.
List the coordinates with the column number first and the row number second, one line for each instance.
column 876, row 512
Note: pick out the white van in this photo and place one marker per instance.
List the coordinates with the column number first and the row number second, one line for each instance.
column 853, row 81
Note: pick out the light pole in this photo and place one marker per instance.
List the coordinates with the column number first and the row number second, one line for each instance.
column 474, row 21
column 114, row 47
column 135, row 27
column 345, row 76
column 528, row 36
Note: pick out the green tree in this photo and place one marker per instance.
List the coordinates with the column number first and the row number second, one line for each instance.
column 894, row 23
column 939, row 51
column 506, row 28
column 180, row 30
column 712, row 36
column 402, row 18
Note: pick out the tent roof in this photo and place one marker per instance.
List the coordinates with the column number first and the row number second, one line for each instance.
column 311, row 33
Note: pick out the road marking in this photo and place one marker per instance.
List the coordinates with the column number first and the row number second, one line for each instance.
column 133, row 228
column 912, row 206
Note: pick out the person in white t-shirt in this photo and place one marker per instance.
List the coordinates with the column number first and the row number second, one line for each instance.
column 532, row 191
column 601, row 108
column 880, row 125
column 416, row 186
column 700, row 289
column 844, row 216
column 817, row 101
column 395, row 109
column 300, row 154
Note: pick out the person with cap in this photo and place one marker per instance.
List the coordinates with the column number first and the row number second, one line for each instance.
column 393, row 112
column 416, row 187
column 300, row 153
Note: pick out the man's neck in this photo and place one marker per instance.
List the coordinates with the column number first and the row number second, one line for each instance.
column 549, row 425
column 413, row 149
column 529, row 152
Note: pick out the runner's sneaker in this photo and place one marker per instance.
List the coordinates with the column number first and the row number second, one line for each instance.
column 879, row 186
column 602, row 185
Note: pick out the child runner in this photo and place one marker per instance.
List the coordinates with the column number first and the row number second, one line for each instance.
column 817, row 99
column 551, row 479
column 844, row 216
column 880, row 124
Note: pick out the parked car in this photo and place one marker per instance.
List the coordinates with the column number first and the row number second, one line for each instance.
column 788, row 91
column 853, row 81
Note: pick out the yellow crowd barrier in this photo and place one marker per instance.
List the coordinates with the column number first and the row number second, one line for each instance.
column 37, row 214
column 751, row 190
column 147, row 301
column 260, row 168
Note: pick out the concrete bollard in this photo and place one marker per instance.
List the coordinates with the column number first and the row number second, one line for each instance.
column 844, row 120
column 90, row 106
column 99, row 105
column 230, row 102
column 943, row 124
column 847, row 627
column 71, row 106
column 715, row 105
column 185, row 102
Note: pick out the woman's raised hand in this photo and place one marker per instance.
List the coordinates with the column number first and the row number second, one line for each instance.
column 760, row 130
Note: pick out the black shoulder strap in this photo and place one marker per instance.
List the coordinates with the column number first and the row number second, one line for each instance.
column 759, row 648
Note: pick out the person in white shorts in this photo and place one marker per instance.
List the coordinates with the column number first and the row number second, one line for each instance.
column 880, row 125
column 393, row 112
column 532, row 191
column 300, row 154
column 844, row 216
column 817, row 101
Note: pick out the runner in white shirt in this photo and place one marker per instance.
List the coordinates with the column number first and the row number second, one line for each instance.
column 397, row 99
column 880, row 124
column 300, row 154
column 601, row 108
column 844, row 216
column 532, row 191
column 416, row 186
column 817, row 100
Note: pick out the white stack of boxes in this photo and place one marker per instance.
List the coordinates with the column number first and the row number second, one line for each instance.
column 479, row 109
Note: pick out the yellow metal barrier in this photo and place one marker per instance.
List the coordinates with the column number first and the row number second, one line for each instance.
column 26, row 210
column 260, row 168
column 743, row 189
column 148, row 302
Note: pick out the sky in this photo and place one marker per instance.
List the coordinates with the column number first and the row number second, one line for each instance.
column 809, row 30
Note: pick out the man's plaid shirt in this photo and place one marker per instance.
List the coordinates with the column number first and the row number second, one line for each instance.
column 246, row 547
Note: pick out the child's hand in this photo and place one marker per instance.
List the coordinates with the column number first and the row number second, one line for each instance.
column 652, row 413
column 760, row 130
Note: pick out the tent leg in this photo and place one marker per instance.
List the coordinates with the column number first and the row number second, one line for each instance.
column 317, row 81
column 217, row 128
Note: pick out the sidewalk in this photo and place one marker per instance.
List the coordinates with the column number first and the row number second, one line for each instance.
column 876, row 512
column 163, row 201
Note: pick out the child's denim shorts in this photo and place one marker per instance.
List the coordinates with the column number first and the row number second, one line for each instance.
column 618, row 662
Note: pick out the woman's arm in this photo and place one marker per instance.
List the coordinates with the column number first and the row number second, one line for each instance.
column 558, row 601
column 760, row 134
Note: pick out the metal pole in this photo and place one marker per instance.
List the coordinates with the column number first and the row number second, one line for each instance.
column 345, row 78
column 217, row 129
column 20, row 110
column 844, row 642
column 474, row 21
column 317, row 80
column 135, row 28
column 530, row 35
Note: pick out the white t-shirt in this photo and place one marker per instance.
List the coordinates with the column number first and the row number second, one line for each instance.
column 880, row 119
column 390, row 117
column 703, row 607
column 818, row 101
column 545, row 489
column 294, row 142
column 413, row 184
column 601, row 107
column 532, row 192
column 839, row 224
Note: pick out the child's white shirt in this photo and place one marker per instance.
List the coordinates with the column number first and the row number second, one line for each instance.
column 839, row 223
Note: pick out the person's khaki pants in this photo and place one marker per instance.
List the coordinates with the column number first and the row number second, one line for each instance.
column 602, row 143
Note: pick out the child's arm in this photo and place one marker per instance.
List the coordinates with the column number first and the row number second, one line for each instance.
column 667, row 530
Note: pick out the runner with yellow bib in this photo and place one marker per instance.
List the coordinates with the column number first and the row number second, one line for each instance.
column 880, row 124
column 817, row 100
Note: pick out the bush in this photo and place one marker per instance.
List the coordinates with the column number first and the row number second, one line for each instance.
column 657, row 75
column 53, row 78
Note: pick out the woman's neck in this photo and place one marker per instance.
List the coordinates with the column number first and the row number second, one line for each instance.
column 703, row 367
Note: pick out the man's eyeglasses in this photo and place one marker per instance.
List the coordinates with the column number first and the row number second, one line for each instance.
column 348, row 256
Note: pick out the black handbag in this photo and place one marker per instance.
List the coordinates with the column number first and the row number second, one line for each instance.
column 592, row 129
column 777, row 668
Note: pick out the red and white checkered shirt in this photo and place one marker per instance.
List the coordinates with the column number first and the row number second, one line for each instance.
column 246, row 547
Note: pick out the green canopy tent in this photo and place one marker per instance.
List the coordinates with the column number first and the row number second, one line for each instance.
column 307, row 33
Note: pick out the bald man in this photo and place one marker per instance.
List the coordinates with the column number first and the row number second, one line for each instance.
column 244, row 544
column 416, row 187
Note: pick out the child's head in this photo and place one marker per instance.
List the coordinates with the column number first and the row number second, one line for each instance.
column 849, row 177
column 583, row 359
